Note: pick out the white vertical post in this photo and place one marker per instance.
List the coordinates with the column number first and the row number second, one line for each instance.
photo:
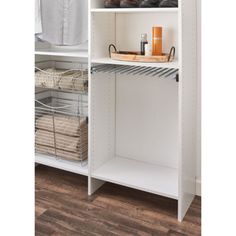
column 187, row 104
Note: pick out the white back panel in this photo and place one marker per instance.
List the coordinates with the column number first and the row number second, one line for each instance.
column 147, row 119
column 129, row 28
column 187, row 106
column 102, row 33
column 97, row 3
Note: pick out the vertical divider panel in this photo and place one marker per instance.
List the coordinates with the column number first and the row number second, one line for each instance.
column 187, row 105
column 101, row 95
column 102, row 120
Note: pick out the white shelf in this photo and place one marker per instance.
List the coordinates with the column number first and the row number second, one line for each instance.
column 107, row 60
column 78, row 168
column 134, row 10
column 140, row 175
column 62, row 52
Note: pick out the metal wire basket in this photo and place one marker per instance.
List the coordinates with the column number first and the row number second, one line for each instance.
column 61, row 128
column 63, row 79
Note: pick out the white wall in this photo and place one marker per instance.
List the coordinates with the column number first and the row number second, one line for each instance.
column 199, row 100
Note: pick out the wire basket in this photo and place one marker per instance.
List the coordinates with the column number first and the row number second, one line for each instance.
column 63, row 79
column 61, row 130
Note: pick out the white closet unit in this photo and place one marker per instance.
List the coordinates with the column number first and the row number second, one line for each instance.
column 142, row 129
column 141, row 116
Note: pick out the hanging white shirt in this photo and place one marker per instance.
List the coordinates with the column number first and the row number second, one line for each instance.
column 38, row 22
column 64, row 22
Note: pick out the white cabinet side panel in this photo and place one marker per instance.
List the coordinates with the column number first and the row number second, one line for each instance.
column 187, row 105
column 102, row 120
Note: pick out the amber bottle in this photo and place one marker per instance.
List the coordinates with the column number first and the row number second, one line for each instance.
column 156, row 41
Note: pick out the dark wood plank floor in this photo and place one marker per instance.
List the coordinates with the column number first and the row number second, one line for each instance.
column 62, row 207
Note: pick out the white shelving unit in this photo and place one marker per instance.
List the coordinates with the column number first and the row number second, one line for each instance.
column 142, row 129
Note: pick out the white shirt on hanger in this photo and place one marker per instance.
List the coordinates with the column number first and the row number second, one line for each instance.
column 64, row 22
column 38, row 22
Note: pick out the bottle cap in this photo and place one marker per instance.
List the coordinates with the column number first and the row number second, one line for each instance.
column 144, row 37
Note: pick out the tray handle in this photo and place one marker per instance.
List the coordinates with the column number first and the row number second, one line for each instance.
column 109, row 49
column 172, row 52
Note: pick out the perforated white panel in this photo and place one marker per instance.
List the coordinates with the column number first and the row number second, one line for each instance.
column 102, row 120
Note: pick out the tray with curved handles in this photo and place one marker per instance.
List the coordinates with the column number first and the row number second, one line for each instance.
column 136, row 57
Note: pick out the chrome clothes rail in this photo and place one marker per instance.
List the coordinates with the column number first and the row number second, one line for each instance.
column 159, row 72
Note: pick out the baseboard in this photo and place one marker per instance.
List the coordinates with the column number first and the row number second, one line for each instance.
column 198, row 187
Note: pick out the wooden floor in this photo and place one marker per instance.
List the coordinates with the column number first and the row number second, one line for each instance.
column 63, row 208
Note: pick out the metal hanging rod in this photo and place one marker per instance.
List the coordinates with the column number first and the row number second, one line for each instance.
column 159, row 72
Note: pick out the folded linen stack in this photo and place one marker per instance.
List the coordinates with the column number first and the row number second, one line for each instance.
column 62, row 79
column 62, row 136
